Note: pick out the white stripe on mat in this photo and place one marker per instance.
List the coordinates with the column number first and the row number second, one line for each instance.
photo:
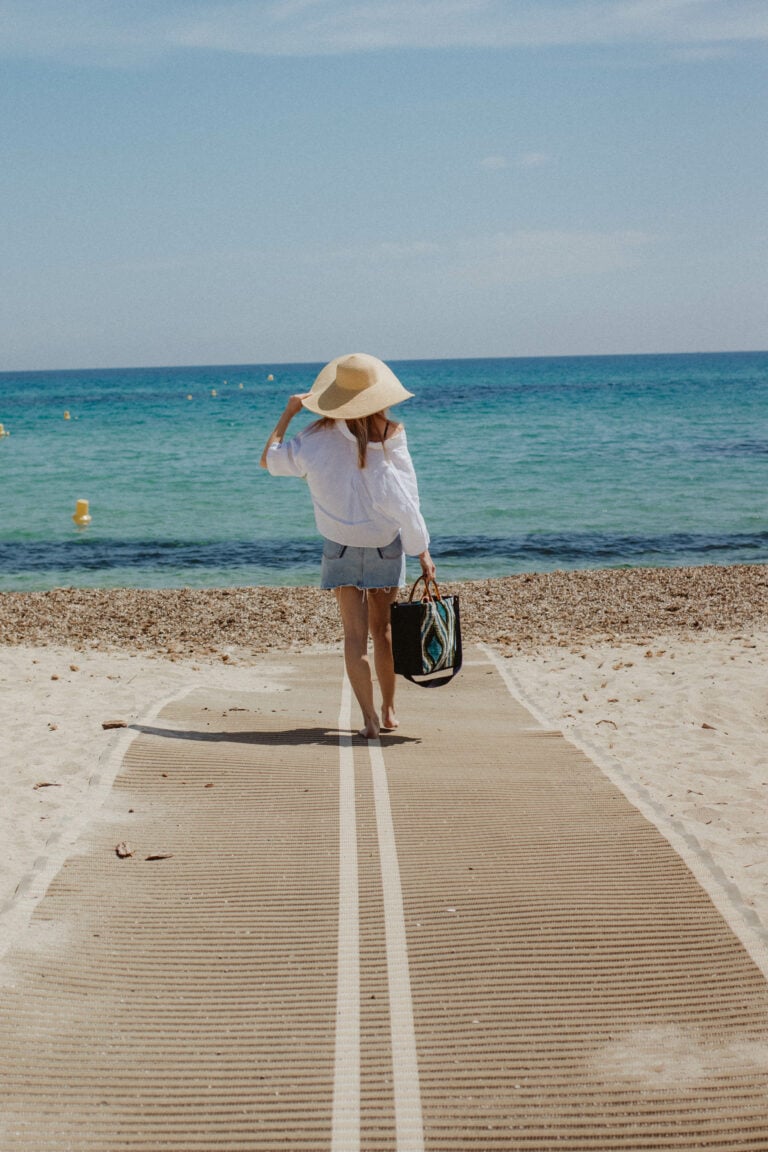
column 345, row 1132
column 408, row 1119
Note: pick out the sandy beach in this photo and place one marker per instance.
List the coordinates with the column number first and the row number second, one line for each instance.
column 661, row 672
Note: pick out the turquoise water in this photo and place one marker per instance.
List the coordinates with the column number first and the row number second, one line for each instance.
column 523, row 465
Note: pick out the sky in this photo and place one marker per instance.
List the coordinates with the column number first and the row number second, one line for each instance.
column 259, row 181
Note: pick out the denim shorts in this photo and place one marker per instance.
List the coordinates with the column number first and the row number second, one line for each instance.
column 344, row 565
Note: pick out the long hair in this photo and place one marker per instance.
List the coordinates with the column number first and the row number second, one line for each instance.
column 363, row 430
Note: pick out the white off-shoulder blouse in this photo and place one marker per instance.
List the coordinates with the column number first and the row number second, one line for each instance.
column 359, row 507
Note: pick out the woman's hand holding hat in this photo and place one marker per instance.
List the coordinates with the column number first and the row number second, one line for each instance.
column 295, row 403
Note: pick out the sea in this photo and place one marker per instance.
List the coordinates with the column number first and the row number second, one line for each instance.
column 523, row 465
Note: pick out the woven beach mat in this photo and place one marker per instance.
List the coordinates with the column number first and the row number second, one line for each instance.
column 462, row 937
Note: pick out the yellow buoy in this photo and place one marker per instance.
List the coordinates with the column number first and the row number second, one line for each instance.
column 3, row 431
column 67, row 415
column 214, row 392
column 189, row 397
column 270, row 377
column 82, row 516
column 239, row 385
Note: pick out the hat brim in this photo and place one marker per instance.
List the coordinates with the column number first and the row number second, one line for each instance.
column 328, row 398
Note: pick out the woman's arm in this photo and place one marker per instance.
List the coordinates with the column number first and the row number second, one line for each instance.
column 293, row 406
column 427, row 564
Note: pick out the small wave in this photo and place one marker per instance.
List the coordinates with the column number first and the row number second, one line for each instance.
column 94, row 555
column 514, row 553
column 736, row 448
column 606, row 547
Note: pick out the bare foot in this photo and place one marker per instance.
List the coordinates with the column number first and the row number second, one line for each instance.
column 388, row 719
column 371, row 729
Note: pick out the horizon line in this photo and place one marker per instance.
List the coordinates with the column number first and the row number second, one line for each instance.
column 389, row 360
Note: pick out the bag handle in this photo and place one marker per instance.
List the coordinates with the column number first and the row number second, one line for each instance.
column 427, row 595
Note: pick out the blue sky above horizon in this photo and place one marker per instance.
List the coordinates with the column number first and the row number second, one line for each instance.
column 235, row 182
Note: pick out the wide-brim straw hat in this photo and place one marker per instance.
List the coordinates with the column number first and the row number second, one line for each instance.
column 354, row 386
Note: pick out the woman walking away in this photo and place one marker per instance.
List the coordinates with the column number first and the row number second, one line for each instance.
column 356, row 461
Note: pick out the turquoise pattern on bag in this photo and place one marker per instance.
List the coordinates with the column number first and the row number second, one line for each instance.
column 438, row 636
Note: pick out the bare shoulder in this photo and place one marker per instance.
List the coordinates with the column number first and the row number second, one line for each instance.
column 394, row 429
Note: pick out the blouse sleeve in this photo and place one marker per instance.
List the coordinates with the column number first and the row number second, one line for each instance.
column 285, row 459
column 398, row 500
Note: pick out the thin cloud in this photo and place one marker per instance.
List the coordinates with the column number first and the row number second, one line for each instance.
column 522, row 256
column 515, row 256
column 391, row 251
column 499, row 162
column 105, row 30
column 532, row 160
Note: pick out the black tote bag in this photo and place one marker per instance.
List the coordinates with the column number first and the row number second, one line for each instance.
column 426, row 636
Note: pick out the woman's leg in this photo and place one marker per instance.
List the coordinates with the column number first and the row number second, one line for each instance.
column 379, row 600
column 353, row 607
